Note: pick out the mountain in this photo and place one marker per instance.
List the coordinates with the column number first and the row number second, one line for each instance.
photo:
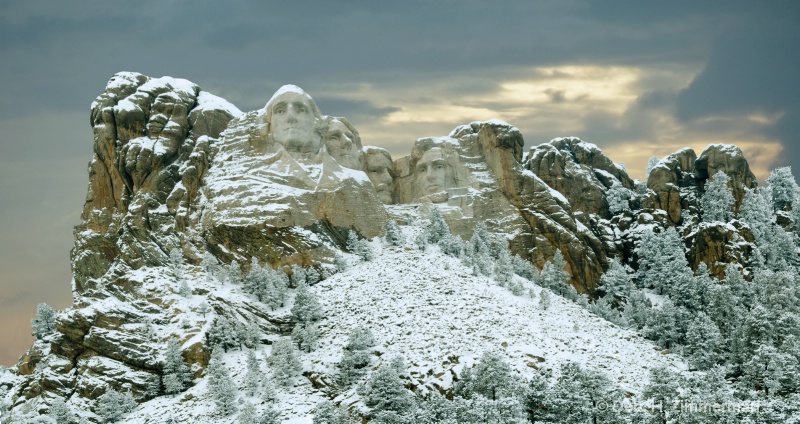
column 198, row 214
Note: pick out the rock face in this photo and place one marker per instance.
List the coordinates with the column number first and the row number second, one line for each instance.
column 482, row 178
column 728, row 159
column 672, row 176
column 178, row 169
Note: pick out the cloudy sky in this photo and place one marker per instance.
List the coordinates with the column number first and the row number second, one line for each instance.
column 636, row 78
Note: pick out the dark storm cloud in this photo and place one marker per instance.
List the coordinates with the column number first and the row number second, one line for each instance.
column 58, row 56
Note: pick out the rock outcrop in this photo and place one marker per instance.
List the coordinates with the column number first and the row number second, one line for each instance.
column 728, row 159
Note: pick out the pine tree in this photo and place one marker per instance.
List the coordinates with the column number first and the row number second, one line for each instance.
column 618, row 198
column 393, row 234
column 298, row 276
column 113, row 406
column 663, row 325
column 356, row 356
column 203, row 308
column 555, row 276
column 651, row 163
column 248, row 414
column 312, row 276
column 704, row 342
column 60, row 412
column 325, row 413
column 306, row 308
column 637, row 309
column 235, row 273
column 184, row 290
column 268, row 391
column 717, row 201
column 220, row 384
column 254, row 280
column 385, row 392
column 493, row 378
column 661, row 390
column 616, row 281
column 270, row 416
column 175, row 369
column 153, row 386
column 176, row 261
column 536, row 395
column 756, row 211
column 544, row 299
column 480, row 249
column 661, row 259
column 437, row 229
column 340, row 263
column 306, row 336
column 223, row 334
column 209, row 263
column 352, row 242
column 252, row 377
column 45, row 322
column 783, row 187
column 503, row 270
column 577, row 394
column 284, row 362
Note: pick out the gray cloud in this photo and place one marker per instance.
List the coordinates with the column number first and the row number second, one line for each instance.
column 58, row 56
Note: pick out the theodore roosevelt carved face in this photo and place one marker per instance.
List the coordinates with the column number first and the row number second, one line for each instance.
column 378, row 165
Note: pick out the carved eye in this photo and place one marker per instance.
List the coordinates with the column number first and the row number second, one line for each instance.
column 300, row 107
column 280, row 110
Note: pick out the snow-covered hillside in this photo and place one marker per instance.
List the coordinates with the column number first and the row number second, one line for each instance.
column 428, row 308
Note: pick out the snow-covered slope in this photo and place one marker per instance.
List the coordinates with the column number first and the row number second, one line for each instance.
column 429, row 309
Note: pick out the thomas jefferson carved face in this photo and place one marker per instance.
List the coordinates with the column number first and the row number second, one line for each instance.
column 341, row 144
column 293, row 122
column 434, row 174
column 379, row 168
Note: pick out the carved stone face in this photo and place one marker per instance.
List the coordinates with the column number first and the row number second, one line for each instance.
column 378, row 168
column 340, row 142
column 292, row 123
column 434, row 174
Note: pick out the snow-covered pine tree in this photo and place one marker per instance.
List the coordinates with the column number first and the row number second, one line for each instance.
column 493, row 378
column 356, row 356
column 783, row 187
column 536, row 395
column 437, row 229
column 223, row 334
column 252, row 376
column 704, row 343
column 175, row 368
column 176, row 261
column 209, row 263
column 203, row 308
column 184, row 290
column 340, row 263
column 298, row 275
column 717, row 201
column 503, row 270
column 113, row 406
column 651, row 163
column 306, row 308
column 637, row 309
column 554, row 275
column 661, row 390
column 663, row 325
column 270, row 416
column 248, row 414
column 661, row 259
column 544, row 299
column 254, row 279
column 220, row 384
column 352, row 242
column 284, row 362
column 45, row 322
column 60, row 412
column 616, row 281
column 577, row 395
column 618, row 198
column 235, row 273
column 154, row 386
column 393, row 234
column 312, row 276
column 756, row 211
column 385, row 392
column 306, row 336
column 479, row 249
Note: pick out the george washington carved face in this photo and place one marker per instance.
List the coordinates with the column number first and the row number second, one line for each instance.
column 293, row 120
